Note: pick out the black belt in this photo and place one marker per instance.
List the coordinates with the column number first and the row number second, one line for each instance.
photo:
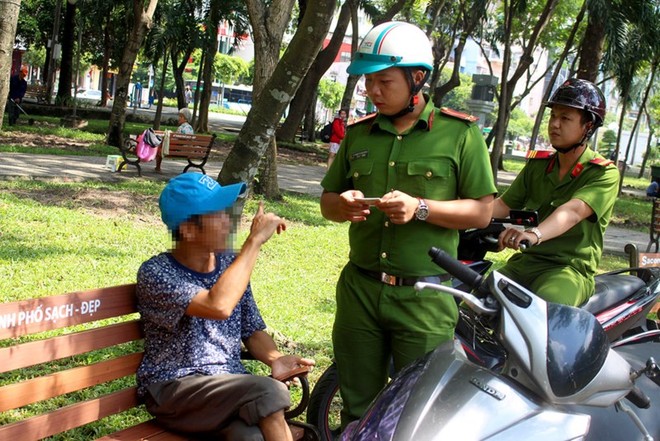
column 389, row 279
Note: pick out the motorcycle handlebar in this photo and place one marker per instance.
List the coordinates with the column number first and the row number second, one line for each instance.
column 639, row 398
column 454, row 267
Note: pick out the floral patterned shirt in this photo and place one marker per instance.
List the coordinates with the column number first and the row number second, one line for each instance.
column 186, row 129
column 176, row 344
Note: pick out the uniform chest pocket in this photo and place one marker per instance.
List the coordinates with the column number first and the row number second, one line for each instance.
column 361, row 174
column 433, row 179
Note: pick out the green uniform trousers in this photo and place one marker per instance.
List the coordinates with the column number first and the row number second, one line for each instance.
column 376, row 323
column 550, row 281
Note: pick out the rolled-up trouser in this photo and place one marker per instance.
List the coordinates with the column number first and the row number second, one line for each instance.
column 228, row 405
column 376, row 322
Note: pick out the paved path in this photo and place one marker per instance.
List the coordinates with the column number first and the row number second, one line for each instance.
column 297, row 178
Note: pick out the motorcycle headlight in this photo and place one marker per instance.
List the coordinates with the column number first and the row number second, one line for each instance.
column 382, row 417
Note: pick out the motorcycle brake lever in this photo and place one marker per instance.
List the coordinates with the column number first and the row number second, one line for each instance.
column 476, row 304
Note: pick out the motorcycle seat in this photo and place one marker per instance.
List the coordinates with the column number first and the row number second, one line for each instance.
column 612, row 289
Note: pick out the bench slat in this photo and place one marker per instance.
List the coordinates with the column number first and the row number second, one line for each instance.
column 16, row 395
column 148, row 430
column 47, row 313
column 70, row 417
column 55, row 348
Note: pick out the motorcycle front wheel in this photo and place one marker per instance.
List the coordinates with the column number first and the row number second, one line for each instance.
column 325, row 405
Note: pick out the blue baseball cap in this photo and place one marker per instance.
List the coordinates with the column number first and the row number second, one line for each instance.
column 191, row 194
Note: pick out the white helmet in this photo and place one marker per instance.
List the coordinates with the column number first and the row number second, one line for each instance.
column 391, row 44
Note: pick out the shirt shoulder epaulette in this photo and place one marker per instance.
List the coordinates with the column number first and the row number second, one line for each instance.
column 459, row 115
column 601, row 161
column 365, row 119
column 539, row 154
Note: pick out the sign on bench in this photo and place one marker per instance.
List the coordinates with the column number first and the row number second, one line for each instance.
column 81, row 349
column 643, row 260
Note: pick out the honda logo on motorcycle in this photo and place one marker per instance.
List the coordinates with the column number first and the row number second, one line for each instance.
column 486, row 388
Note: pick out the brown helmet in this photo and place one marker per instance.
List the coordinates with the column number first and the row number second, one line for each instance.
column 582, row 95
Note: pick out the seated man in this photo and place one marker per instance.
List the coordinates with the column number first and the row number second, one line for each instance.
column 197, row 307
column 653, row 190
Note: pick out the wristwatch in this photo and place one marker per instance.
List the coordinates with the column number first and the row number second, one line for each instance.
column 536, row 232
column 422, row 211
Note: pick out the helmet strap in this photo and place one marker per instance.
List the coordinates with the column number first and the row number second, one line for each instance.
column 414, row 91
column 585, row 137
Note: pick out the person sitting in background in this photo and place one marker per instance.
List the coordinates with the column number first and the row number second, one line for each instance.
column 184, row 127
column 653, row 190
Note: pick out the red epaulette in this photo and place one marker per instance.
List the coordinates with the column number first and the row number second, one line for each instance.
column 539, row 154
column 460, row 115
column 601, row 161
column 364, row 119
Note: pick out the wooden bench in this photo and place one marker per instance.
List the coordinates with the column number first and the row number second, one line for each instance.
column 637, row 259
column 70, row 360
column 195, row 148
column 654, row 228
column 37, row 93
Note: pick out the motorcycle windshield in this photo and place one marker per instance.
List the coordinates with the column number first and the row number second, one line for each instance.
column 577, row 349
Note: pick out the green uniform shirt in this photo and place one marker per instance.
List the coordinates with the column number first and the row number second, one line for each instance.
column 594, row 181
column 440, row 158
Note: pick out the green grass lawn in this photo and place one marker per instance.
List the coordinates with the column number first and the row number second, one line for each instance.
column 64, row 236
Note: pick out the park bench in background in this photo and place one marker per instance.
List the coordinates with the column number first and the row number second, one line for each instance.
column 92, row 367
column 654, row 228
column 637, row 259
column 37, row 92
column 195, row 148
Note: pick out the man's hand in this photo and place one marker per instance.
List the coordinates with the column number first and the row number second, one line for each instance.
column 350, row 209
column 286, row 363
column 264, row 225
column 398, row 206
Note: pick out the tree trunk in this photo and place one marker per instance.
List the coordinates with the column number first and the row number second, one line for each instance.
column 351, row 82
column 8, row 19
column 141, row 23
column 66, row 65
column 471, row 19
column 642, row 105
column 106, row 60
column 649, row 145
column 268, row 25
column 508, row 86
column 591, row 49
column 275, row 94
column 161, row 91
column 323, row 61
column 177, row 72
column 209, row 58
column 309, row 133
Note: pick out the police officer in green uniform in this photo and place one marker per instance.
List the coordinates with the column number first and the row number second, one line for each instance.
column 406, row 178
column 573, row 191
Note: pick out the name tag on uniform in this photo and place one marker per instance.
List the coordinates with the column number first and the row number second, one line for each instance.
column 359, row 155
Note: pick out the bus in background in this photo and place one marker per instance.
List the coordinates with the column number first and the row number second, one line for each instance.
column 237, row 97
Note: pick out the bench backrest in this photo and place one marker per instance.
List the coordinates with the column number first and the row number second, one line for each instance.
column 189, row 146
column 35, row 333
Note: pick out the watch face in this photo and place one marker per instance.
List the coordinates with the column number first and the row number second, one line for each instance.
column 422, row 212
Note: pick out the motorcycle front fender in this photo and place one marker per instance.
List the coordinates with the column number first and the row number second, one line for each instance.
column 445, row 396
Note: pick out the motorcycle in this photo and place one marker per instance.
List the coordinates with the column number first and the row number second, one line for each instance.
column 620, row 303
column 562, row 379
